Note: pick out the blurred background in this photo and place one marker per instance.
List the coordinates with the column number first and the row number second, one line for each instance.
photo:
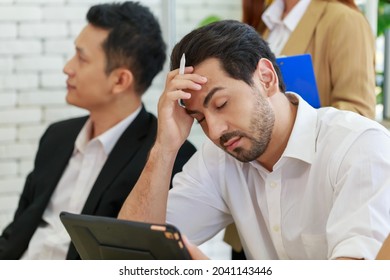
column 36, row 39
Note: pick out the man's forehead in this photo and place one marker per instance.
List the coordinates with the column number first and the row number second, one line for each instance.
column 207, row 67
column 93, row 34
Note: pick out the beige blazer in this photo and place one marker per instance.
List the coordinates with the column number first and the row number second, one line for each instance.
column 384, row 252
column 342, row 46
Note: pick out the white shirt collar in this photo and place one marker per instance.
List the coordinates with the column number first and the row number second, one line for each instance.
column 274, row 12
column 301, row 144
column 109, row 138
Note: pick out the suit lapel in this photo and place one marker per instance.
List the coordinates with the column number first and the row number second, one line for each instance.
column 61, row 145
column 128, row 144
column 302, row 35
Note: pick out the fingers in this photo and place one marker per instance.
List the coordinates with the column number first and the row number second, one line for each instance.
column 195, row 252
column 179, row 85
column 178, row 94
column 174, row 123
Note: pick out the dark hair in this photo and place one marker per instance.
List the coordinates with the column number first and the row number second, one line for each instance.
column 134, row 41
column 237, row 46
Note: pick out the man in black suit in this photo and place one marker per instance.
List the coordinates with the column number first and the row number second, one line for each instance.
column 89, row 164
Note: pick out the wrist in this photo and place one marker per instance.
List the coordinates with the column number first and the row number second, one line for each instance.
column 161, row 152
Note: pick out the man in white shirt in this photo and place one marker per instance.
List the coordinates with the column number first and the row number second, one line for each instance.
column 89, row 164
column 293, row 27
column 298, row 182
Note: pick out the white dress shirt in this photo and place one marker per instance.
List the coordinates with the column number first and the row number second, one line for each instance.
column 281, row 29
column 328, row 195
column 50, row 240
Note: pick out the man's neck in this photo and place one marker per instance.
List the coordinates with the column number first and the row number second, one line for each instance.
column 286, row 108
column 103, row 120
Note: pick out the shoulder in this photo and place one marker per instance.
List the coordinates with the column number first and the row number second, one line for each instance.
column 345, row 127
column 68, row 124
column 337, row 13
column 59, row 136
column 347, row 120
column 338, row 9
column 63, row 129
column 339, row 26
column 346, row 139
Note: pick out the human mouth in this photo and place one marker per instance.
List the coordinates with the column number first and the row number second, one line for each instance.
column 232, row 143
column 69, row 86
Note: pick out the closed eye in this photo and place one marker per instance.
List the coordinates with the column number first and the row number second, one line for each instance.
column 221, row 106
column 200, row 120
column 197, row 116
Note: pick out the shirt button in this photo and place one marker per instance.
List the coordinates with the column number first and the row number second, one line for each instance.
column 276, row 228
column 273, row 184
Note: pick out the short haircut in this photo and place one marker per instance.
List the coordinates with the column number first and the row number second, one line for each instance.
column 236, row 45
column 134, row 41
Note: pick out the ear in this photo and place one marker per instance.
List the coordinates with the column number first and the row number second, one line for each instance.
column 267, row 76
column 122, row 80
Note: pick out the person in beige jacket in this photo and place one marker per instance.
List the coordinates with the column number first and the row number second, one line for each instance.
column 340, row 41
column 342, row 46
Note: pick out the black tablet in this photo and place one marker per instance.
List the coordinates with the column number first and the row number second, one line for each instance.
column 105, row 238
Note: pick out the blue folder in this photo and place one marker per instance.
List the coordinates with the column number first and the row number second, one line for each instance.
column 298, row 75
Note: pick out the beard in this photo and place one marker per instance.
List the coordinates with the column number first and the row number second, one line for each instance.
column 260, row 130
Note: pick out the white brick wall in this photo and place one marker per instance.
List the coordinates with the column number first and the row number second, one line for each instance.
column 10, row 47
column 43, row 30
column 8, row 30
column 36, row 39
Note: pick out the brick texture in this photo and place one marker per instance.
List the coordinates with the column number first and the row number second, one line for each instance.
column 36, row 39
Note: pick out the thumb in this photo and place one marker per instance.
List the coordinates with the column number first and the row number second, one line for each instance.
column 194, row 251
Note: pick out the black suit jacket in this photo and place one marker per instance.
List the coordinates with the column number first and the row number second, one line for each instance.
column 116, row 179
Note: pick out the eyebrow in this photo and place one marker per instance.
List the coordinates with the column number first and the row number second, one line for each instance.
column 206, row 100
column 210, row 95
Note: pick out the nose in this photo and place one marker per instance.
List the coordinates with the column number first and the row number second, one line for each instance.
column 68, row 68
column 216, row 127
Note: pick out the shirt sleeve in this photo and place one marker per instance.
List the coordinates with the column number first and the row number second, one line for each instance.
column 360, row 218
column 195, row 203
